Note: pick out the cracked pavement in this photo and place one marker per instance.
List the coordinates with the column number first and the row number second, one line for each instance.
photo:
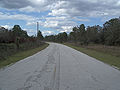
column 59, row 67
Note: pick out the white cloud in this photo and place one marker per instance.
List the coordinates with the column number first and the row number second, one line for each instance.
column 86, row 8
column 38, row 2
column 60, row 23
column 58, row 12
column 24, row 17
column 56, row 18
column 79, row 19
column 30, row 20
column 31, row 23
column 28, row 9
column 47, row 32
column 62, row 13
column 66, row 28
column 58, row 5
column 30, row 31
column 51, row 24
column 7, row 26
column 83, row 8
column 118, row 3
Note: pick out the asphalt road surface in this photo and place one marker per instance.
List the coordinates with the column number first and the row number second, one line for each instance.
column 59, row 67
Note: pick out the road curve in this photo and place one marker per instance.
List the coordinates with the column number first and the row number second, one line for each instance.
column 59, row 67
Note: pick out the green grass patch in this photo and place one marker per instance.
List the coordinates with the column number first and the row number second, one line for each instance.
column 21, row 55
column 102, row 56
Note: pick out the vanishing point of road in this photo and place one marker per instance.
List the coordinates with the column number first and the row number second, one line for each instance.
column 59, row 67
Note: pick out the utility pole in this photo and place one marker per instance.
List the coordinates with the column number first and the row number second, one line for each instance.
column 37, row 32
column 37, row 27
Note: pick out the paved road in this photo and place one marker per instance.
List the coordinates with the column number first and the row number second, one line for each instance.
column 59, row 67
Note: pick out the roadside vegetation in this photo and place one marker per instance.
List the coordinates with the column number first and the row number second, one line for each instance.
column 15, row 44
column 107, row 54
column 100, row 42
column 21, row 55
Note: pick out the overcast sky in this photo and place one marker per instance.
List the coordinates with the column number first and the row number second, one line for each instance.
column 56, row 16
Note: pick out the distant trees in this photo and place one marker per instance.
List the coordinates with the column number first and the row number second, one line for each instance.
column 17, row 35
column 61, row 37
column 20, row 36
column 40, row 36
column 78, row 34
column 6, row 36
column 111, row 30
column 82, row 34
column 93, row 34
column 9, row 36
column 51, row 38
column 109, row 34
column 18, row 32
column 74, row 34
column 17, row 40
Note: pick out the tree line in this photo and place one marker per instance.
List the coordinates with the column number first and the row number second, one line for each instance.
column 60, row 38
column 109, row 34
column 16, row 40
column 18, row 36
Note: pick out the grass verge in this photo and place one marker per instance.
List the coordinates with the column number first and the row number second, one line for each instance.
column 21, row 55
column 104, row 57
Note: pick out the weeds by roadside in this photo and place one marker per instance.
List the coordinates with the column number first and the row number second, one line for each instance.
column 108, row 54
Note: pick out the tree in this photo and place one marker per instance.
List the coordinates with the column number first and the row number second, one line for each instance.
column 74, row 34
column 61, row 37
column 64, row 36
column 39, row 35
column 72, row 37
column 6, row 36
column 92, row 34
column 18, row 32
column 17, row 42
column 112, row 32
column 82, row 34
column 51, row 38
column 109, row 34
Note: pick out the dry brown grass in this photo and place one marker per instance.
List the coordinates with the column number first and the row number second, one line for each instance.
column 112, row 50
column 106, row 54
